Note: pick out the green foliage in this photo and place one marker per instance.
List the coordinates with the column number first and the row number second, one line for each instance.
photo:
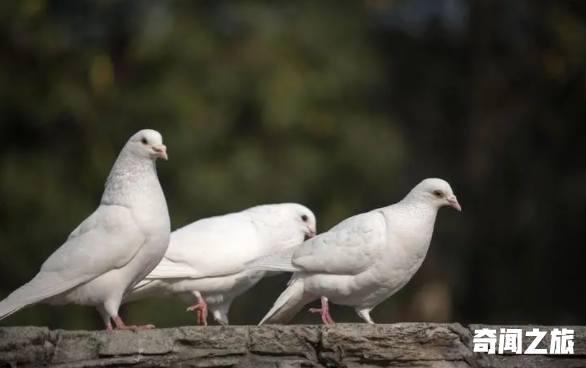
column 257, row 104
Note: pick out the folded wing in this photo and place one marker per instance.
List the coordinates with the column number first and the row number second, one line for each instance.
column 106, row 240
column 212, row 247
column 347, row 249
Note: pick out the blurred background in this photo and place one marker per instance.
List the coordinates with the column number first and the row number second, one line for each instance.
column 342, row 106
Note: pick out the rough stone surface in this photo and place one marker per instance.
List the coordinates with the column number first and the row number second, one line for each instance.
column 343, row 345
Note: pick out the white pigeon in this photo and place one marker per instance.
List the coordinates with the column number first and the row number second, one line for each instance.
column 361, row 261
column 115, row 247
column 205, row 262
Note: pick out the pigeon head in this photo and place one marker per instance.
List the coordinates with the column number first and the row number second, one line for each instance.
column 304, row 218
column 288, row 224
column 294, row 220
column 147, row 143
column 437, row 192
column 135, row 169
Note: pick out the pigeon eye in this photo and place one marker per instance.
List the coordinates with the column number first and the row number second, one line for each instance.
column 144, row 141
column 304, row 217
column 438, row 193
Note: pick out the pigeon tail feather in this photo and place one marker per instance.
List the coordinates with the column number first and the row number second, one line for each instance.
column 144, row 289
column 289, row 303
column 280, row 261
column 279, row 265
column 41, row 287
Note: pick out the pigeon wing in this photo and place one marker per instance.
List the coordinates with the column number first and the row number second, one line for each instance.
column 213, row 247
column 106, row 240
column 348, row 248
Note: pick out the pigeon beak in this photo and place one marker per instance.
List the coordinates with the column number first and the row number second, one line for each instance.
column 310, row 234
column 161, row 151
column 453, row 202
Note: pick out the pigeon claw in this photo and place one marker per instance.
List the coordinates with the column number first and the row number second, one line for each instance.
column 324, row 311
column 135, row 328
column 202, row 312
column 121, row 326
column 325, row 315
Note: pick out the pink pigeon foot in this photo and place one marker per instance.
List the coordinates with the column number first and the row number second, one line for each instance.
column 121, row 326
column 324, row 311
column 202, row 311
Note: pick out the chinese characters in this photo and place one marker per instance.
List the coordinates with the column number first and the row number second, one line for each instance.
column 510, row 341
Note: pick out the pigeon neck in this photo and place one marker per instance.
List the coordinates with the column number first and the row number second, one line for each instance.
column 285, row 237
column 415, row 222
column 128, row 179
column 418, row 210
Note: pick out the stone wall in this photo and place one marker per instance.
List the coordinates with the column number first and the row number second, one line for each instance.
column 342, row 345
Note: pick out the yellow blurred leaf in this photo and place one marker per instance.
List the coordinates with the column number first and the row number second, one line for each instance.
column 101, row 74
column 31, row 8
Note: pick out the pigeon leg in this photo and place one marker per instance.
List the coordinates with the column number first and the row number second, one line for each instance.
column 202, row 309
column 324, row 311
column 121, row 326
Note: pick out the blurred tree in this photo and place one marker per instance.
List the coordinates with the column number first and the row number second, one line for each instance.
column 498, row 107
column 340, row 106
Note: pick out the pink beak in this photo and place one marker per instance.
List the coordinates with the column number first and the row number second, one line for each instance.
column 455, row 204
column 161, row 151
